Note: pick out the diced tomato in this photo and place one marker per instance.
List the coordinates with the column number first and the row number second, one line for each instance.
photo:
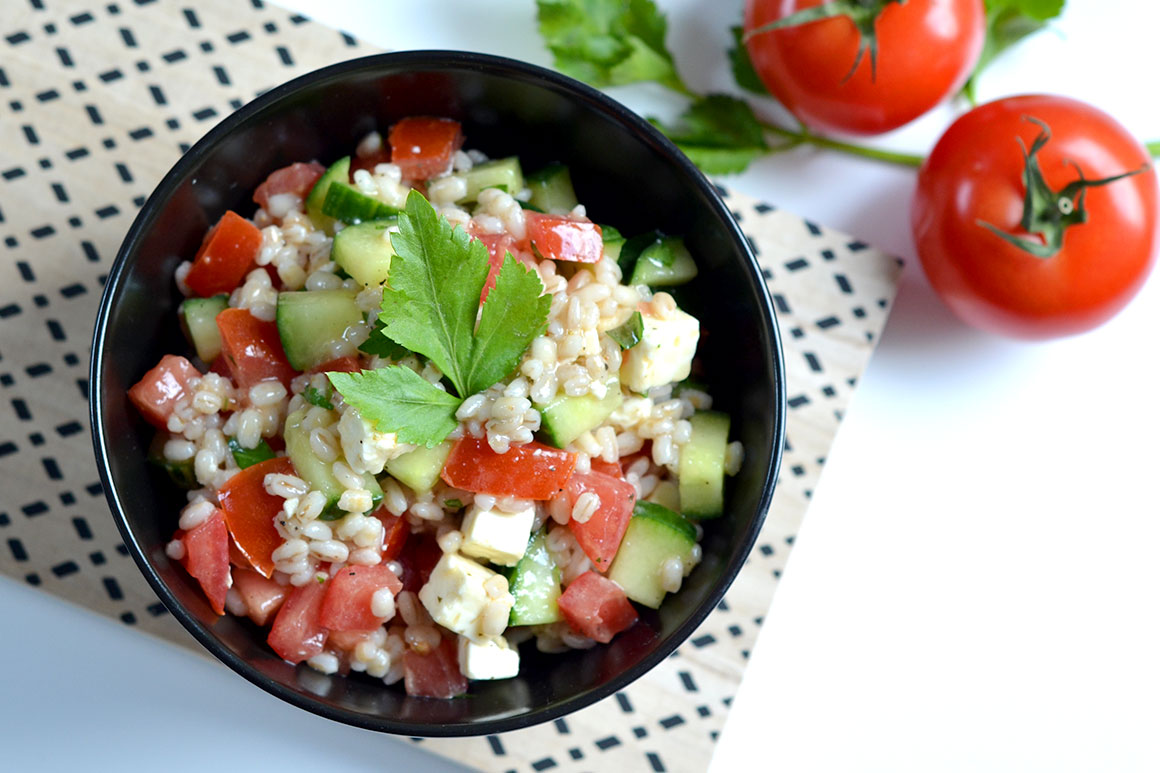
column 600, row 535
column 562, row 238
column 262, row 597
column 252, row 349
column 498, row 245
column 159, row 390
column 225, row 257
column 346, row 641
column 529, row 471
column 423, row 147
column 596, row 607
column 347, row 364
column 250, row 512
column 607, row 468
column 296, row 634
column 207, row 558
column 347, row 606
column 395, row 531
column 435, row 674
column 369, row 162
column 298, row 178
column 422, row 554
column 220, row 367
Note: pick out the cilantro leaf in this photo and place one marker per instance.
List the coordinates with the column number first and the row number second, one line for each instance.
column 719, row 133
column 1008, row 22
column 379, row 345
column 742, row 65
column 437, row 275
column 629, row 334
column 316, row 397
column 514, row 313
column 608, row 42
column 397, row 399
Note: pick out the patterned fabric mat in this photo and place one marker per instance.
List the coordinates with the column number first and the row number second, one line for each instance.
column 97, row 101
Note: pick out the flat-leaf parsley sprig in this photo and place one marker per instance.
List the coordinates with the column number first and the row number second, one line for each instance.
column 430, row 307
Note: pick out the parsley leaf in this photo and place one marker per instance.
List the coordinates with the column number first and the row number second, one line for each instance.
column 742, row 65
column 397, row 399
column 247, row 457
column 629, row 334
column 514, row 313
column 379, row 345
column 719, row 133
column 316, row 397
column 1008, row 22
column 437, row 275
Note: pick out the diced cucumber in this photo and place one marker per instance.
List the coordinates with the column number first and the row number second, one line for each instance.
column 701, row 473
column 664, row 264
column 631, row 249
column 350, row 205
column 552, row 189
column 654, row 535
column 504, row 173
column 364, row 251
column 311, row 322
column 566, row 418
column 247, row 457
column 199, row 321
column 535, row 585
column 339, row 171
column 419, row 469
column 613, row 242
column 317, row 472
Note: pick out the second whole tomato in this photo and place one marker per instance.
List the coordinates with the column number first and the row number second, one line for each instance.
column 918, row 53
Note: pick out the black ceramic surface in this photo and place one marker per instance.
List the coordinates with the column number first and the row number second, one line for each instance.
column 626, row 173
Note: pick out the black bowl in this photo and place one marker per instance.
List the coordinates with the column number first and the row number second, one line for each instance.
column 626, row 173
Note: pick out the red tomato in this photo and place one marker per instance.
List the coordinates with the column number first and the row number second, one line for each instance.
column 250, row 512
column 347, row 364
column 596, row 607
column 926, row 50
column 562, row 238
column 395, row 531
column 600, row 535
column 498, row 245
column 530, row 471
column 225, row 257
column 423, row 552
column 296, row 634
column 369, row 162
column 975, row 175
column 252, row 349
column 262, row 597
column 159, row 390
column 298, row 178
column 423, row 147
column 436, row 674
column 608, row 468
column 207, row 558
column 347, row 606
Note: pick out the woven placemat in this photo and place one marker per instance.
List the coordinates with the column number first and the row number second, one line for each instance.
column 97, row 100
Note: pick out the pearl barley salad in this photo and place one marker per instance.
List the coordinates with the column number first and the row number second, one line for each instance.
column 436, row 414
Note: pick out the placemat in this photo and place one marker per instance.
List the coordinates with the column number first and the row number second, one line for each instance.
column 97, row 100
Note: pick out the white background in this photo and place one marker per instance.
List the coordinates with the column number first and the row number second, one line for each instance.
column 974, row 587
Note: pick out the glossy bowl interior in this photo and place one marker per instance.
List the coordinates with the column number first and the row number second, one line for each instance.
column 627, row 175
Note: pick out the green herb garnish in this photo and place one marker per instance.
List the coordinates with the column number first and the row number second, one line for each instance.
column 454, row 504
column 379, row 345
column 629, row 334
column 316, row 397
column 247, row 457
column 1008, row 22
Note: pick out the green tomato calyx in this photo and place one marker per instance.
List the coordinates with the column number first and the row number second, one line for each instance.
column 1047, row 214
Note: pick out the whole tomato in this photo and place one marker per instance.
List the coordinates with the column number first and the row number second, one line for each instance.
column 1035, row 216
column 910, row 56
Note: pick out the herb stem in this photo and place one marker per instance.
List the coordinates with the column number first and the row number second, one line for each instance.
column 889, row 156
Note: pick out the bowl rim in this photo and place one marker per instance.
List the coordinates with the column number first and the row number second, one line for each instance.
column 440, row 60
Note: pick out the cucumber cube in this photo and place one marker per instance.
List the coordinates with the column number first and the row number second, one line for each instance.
column 312, row 325
column 701, row 473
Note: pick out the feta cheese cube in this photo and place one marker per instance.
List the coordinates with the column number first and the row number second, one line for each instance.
column 455, row 595
column 664, row 353
column 365, row 449
column 497, row 536
column 489, row 659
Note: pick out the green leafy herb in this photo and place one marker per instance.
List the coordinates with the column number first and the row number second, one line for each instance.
column 629, row 334
column 454, row 504
column 316, row 397
column 379, row 345
column 514, row 313
column 719, row 133
column 608, row 42
column 397, row 399
column 743, row 71
column 1008, row 22
column 247, row 457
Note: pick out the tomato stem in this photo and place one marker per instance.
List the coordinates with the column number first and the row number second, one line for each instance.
column 805, row 136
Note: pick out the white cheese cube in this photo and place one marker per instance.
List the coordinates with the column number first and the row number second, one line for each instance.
column 490, row 659
column 497, row 536
column 664, row 353
column 365, row 449
column 454, row 594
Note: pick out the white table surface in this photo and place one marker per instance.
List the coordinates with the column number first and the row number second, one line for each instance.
column 975, row 584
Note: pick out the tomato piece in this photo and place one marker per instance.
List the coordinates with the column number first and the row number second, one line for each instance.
column 262, row 597
column 423, row 147
column 435, row 674
column 207, row 558
column 250, row 512
column 562, row 238
column 596, row 607
column 395, row 532
column 225, row 257
column 423, row 552
column 975, row 175
column 346, row 640
column 346, row 364
column 298, row 178
column 347, row 606
column 607, row 468
column 926, row 50
column 158, row 392
column 601, row 534
column 498, row 245
column 296, row 634
column 369, row 162
column 252, row 349
column 529, row 471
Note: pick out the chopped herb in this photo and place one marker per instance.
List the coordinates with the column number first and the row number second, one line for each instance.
column 247, row 457
column 316, row 397
column 454, row 504
column 629, row 334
